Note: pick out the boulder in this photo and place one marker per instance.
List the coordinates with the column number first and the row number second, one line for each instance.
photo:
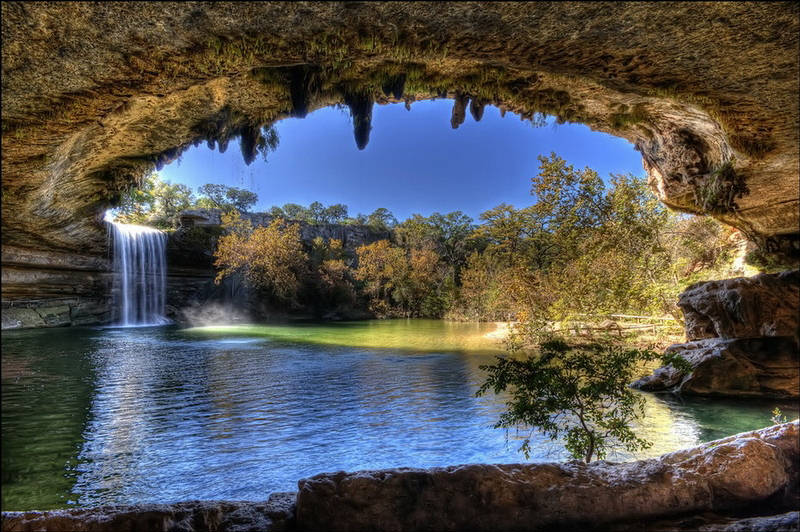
column 732, row 473
column 744, row 339
column 741, row 367
column 745, row 480
column 744, row 307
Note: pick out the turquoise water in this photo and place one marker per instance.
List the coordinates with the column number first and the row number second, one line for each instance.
column 115, row 416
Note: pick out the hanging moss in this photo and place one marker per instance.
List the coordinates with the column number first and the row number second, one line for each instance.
column 718, row 192
column 623, row 118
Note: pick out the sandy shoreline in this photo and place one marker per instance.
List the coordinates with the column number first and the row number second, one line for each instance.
column 501, row 331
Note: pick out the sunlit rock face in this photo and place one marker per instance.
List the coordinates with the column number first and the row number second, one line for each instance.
column 96, row 95
column 744, row 339
column 744, row 307
column 741, row 367
column 732, row 473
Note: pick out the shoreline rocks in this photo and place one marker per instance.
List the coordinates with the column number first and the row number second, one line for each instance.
column 724, row 475
column 766, row 367
column 744, row 339
column 748, row 479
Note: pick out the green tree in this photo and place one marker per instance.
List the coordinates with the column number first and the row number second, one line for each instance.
column 447, row 234
column 215, row 196
column 580, row 393
column 335, row 213
column 316, row 213
column 296, row 212
column 505, row 229
column 381, row 219
column 170, row 201
column 277, row 212
column 138, row 202
column 154, row 202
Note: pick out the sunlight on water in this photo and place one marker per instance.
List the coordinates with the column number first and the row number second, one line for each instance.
column 416, row 335
column 121, row 416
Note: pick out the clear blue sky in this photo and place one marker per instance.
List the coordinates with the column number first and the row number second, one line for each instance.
column 414, row 162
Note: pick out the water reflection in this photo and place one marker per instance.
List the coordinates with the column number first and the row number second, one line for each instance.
column 165, row 415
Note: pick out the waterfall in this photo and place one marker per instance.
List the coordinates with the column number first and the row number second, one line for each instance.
column 140, row 275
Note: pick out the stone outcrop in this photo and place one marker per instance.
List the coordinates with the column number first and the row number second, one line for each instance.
column 744, row 307
column 274, row 515
column 95, row 95
column 741, row 367
column 744, row 339
column 749, row 479
column 722, row 475
column 54, row 289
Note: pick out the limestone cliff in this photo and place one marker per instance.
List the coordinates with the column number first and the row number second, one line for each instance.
column 744, row 339
column 97, row 94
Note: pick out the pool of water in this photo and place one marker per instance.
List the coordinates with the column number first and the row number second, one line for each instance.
column 115, row 416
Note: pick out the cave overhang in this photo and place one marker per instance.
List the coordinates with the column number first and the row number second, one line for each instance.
column 95, row 96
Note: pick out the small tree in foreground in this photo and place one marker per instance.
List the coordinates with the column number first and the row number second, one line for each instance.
column 578, row 392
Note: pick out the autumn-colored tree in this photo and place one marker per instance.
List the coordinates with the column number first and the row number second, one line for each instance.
column 270, row 258
column 418, row 281
column 380, row 267
column 332, row 282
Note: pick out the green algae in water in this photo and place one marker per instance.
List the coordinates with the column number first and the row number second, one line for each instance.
column 404, row 334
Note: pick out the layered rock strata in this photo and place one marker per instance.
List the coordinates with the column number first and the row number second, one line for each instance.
column 750, row 479
column 744, row 339
column 54, row 289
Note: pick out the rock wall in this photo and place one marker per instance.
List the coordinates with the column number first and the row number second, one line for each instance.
column 744, row 339
column 54, row 289
column 747, row 480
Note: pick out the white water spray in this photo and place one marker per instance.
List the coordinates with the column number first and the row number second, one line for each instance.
column 140, row 274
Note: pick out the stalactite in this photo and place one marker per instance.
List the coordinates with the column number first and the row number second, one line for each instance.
column 459, row 110
column 360, row 105
column 476, row 107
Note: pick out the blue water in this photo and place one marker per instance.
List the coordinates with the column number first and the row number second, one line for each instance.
column 113, row 416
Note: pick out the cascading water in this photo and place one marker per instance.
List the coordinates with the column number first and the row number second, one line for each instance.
column 140, row 274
